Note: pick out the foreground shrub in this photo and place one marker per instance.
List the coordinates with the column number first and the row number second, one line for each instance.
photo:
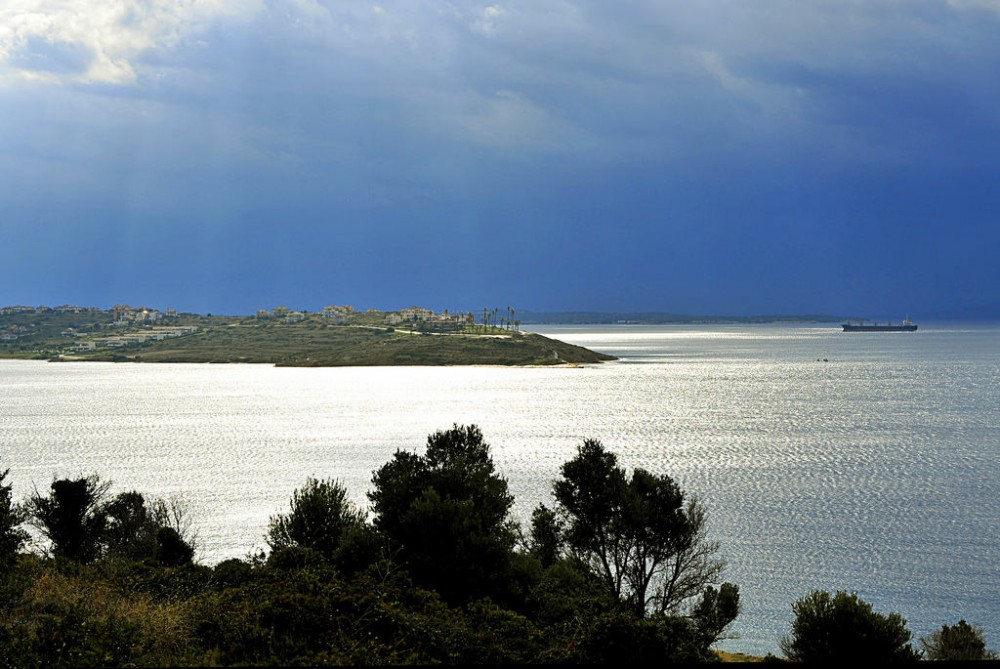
column 73, row 517
column 12, row 537
column 80, row 620
column 309, row 616
column 622, row 639
column 843, row 628
column 320, row 516
column 957, row 642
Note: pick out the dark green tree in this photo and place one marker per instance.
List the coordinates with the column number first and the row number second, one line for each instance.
column 546, row 540
column 447, row 513
column 842, row 628
column 130, row 531
column 12, row 537
column 636, row 533
column 139, row 531
column 171, row 548
column 73, row 517
column 715, row 610
column 320, row 516
column 957, row 642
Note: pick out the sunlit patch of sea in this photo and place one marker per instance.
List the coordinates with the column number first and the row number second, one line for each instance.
column 865, row 462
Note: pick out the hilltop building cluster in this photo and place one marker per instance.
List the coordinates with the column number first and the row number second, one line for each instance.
column 63, row 309
column 121, row 315
column 347, row 315
column 421, row 315
column 124, row 314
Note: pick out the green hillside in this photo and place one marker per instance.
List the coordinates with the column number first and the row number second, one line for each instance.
column 302, row 340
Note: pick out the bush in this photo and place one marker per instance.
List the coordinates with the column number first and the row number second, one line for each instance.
column 957, row 642
column 82, row 620
column 12, row 537
column 566, row 591
column 171, row 549
column 231, row 573
column 319, row 518
column 623, row 639
column 73, row 517
column 297, row 558
column 843, row 628
column 137, row 531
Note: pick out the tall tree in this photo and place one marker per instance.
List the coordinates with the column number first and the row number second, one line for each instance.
column 447, row 512
column 635, row 532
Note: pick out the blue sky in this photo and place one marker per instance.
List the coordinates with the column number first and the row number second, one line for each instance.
column 713, row 157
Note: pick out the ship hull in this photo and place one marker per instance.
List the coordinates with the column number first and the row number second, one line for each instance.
column 879, row 328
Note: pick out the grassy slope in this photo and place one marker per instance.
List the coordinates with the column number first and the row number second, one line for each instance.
column 310, row 345
column 312, row 342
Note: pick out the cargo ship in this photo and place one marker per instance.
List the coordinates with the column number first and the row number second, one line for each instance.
column 863, row 326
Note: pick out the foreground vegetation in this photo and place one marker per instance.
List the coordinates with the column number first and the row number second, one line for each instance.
column 619, row 569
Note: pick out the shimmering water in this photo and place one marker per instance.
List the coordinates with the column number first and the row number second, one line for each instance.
column 865, row 462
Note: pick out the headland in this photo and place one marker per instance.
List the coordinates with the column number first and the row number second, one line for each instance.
column 336, row 336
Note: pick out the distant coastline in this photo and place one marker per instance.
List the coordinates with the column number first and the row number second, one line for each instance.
column 337, row 336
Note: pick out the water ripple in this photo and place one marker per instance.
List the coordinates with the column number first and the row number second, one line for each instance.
column 826, row 461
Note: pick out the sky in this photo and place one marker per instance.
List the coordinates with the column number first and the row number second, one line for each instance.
column 713, row 157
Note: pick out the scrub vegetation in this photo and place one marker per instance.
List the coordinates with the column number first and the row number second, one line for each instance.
column 619, row 569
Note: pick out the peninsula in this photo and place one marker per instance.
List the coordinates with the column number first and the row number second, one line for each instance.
column 335, row 336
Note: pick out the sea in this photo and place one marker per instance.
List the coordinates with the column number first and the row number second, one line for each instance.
column 865, row 462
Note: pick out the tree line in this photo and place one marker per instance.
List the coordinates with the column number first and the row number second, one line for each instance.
column 620, row 568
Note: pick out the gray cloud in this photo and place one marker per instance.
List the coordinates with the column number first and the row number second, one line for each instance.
column 565, row 121
column 56, row 58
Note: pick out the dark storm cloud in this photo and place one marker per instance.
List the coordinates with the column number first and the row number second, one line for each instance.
column 708, row 157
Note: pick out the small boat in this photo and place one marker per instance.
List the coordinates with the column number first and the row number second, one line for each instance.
column 863, row 326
